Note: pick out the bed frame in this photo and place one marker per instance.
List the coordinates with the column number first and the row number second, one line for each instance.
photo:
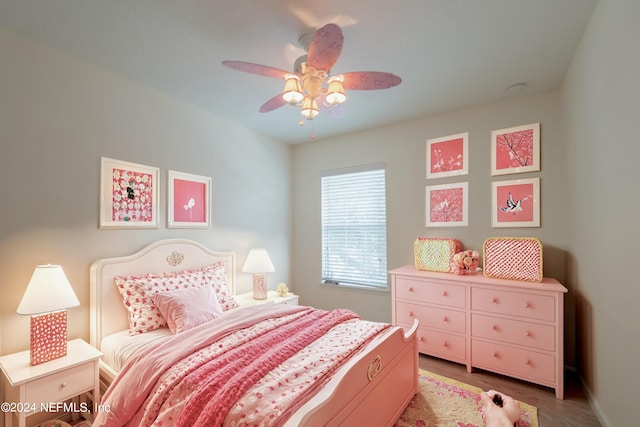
column 371, row 389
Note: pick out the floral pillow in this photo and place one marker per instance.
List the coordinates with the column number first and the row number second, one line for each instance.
column 216, row 276
column 186, row 308
column 137, row 290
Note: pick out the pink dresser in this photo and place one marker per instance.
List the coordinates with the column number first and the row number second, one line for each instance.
column 511, row 327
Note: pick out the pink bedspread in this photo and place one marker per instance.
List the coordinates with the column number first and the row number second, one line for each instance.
column 253, row 366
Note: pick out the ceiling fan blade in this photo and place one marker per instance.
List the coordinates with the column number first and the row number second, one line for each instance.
column 263, row 70
column 272, row 104
column 325, row 47
column 369, row 80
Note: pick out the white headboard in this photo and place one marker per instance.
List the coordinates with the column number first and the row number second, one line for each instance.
column 107, row 314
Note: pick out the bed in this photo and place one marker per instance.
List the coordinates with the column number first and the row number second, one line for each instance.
column 375, row 380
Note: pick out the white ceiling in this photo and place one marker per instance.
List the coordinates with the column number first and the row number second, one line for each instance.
column 450, row 54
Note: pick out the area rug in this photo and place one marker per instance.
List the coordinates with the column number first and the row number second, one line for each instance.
column 446, row 402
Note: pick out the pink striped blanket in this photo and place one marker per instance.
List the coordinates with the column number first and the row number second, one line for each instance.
column 251, row 366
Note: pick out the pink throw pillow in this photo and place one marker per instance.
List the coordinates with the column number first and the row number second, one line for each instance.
column 137, row 290
column 186, row 308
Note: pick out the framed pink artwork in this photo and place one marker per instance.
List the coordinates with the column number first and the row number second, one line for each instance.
column 188, row 201
column 447, row 205
column 515, row 150
column 128, row 195
column 448, row 156
column 516, row 203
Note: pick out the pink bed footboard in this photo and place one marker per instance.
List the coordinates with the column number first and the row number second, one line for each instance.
column 373, row 390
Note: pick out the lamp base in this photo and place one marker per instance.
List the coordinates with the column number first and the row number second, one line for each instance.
column 259, row 286
column 48, row 337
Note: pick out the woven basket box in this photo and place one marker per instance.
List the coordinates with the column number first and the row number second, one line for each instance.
column 435, row 253
column 515, row 258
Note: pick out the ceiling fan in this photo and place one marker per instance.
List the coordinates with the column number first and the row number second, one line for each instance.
column 310, row 84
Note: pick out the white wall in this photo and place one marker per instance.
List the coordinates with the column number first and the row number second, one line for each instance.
column 58, row 116
column 601, row 94
column 403, row 149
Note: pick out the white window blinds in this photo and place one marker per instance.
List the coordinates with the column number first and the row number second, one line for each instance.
column 354, row 226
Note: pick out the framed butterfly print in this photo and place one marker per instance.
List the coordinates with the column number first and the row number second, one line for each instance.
column 128, row 195
column 189, row 201
column 515, row 150
column 448, row 156
column 516, row 203
column 447, row 205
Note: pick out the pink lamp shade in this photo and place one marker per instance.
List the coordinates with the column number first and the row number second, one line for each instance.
column 45, row 299
column 258, row 263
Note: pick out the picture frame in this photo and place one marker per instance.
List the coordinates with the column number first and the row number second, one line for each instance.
column 515, row 149
column 448, row 156
column 516, row 203
column 188, row 200
column 128, row 195
column 446, row 205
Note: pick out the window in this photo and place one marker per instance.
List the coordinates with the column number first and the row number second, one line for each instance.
column 354, row 227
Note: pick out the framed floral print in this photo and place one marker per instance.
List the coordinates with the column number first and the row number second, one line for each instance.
column 447, row 205
column 515, row 150
column 516, row 203
column 128, row 195
column 448, row 156
column 188, row 200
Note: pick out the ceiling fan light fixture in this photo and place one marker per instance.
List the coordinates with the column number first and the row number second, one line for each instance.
column 335, row 93
column 309, row 108
column 292, row 92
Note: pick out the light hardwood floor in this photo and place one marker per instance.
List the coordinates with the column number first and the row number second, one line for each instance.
column 574, row 410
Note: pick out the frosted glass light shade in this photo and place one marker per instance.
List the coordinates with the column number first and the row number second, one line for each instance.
column 335, row 93
column 292, row 92
column 309, row 108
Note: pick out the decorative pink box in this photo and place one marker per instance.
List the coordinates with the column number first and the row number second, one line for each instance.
column 515, row 258
column 435, row 253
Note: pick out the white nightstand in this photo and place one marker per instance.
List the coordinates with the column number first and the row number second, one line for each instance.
column 246, row 299
column 45, row 387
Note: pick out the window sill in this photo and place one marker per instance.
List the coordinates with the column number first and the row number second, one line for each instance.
column 354, row 287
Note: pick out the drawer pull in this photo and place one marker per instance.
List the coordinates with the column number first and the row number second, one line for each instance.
column 422, row 339
column 527, row 305
column 411, row 314
column 494, row 300
column 495, row 328
column 63, row 386
column 444, row 319
column 374, row 368
column 410, row 289
column 528, row 362
column 496, row 355
column 527, row 334
column 444, row 294
column 445, row 344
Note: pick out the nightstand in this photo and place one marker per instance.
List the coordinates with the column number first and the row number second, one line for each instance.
column 47, row 387
column 247, row 299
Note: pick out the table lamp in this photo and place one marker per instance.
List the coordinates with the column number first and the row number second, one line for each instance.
column 258, row 263
column 45, row 299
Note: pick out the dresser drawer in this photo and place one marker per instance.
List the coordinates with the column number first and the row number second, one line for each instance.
column 62, row 385
column 440, row 344
column 513, row 361
column 522, row 304
column 432, row 292
column 431, row 317
column 513, row 331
